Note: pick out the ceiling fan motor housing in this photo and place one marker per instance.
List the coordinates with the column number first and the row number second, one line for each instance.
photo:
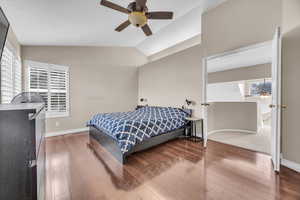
column 138, row 19
column 133, row 7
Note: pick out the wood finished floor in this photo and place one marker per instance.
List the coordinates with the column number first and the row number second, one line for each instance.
column 177, row 170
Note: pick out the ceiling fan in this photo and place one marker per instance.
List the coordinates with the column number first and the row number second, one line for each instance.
column 138, row 15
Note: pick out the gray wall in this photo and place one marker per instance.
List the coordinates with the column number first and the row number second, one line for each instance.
column 218, row 113
column 291, row 74
column 239, row 23
column 169, row 81
column 245, row 73
column 290, row 15
column 102, row 79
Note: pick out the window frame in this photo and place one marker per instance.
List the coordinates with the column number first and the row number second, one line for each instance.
column 49, row 68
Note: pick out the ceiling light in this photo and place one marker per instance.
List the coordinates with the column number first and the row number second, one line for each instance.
column 138, row 19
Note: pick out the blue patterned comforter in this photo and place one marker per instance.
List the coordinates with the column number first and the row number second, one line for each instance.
column 129, row 128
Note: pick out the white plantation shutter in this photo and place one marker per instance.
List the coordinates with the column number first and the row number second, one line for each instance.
column 11, row 75
column 6, row 76
column 58, row 90
column 52, row 83
column 17, row 77
column 38, row 81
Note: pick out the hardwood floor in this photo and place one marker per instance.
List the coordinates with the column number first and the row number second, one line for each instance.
column 179, row 170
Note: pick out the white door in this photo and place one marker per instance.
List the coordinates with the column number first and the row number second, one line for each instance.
column 276, row 101
column 204, row 103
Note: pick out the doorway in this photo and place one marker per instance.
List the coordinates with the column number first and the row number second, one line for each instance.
column 246, row 102
column 237, row 115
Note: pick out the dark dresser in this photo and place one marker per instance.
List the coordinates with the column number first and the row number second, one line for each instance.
column 22, row 151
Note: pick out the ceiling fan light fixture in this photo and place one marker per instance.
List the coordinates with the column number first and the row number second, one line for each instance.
column 264, row 91
column 138, row 19
column 138, row 15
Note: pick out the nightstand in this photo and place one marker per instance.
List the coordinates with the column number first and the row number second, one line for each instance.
column 139, row 106
column 194, row 122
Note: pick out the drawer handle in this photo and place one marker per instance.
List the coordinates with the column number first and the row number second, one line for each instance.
column 32, row 163
column 33, row 116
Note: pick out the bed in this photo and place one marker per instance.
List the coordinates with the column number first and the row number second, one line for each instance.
column 125, row 133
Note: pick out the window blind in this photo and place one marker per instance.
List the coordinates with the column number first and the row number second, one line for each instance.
column 58, row 90
column 38, row 82
column 52, row 83
column 17, row 77
column 11, row 75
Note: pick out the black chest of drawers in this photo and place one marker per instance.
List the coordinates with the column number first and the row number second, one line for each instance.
column 22, row 152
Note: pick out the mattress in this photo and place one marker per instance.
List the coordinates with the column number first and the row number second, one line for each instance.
column 130, row 128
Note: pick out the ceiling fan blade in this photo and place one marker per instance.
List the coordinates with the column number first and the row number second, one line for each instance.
column 147, row 30
column 123, row 26
column 114, row 6
column 160, row 15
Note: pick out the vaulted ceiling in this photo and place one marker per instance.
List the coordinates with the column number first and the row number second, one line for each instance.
column 86, row 23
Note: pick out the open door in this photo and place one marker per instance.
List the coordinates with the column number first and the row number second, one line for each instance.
column 276, row 91
column 204, row 103
column 276, row 101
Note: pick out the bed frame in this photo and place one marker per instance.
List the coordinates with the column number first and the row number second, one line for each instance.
column 97, row 137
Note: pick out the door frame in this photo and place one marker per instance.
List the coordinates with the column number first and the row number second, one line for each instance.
column 276, row 106
column 205, row 103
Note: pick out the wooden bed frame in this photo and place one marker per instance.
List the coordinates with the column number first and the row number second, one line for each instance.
column 97, row 137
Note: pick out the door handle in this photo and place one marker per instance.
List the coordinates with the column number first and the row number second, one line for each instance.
column 32, row 163
column 280, row 106
column 284, row 106
column 272, row 106
column 33, row 116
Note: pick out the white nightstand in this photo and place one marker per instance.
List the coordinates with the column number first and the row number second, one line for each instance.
column 194, row 121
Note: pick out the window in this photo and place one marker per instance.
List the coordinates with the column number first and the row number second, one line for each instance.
column 52, row 83
column 11, row 74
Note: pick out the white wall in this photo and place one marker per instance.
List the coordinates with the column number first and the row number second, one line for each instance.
column 225, row 92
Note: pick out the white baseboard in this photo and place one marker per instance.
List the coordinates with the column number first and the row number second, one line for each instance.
column 290, row 164
column 232, row 130
column 66, row 132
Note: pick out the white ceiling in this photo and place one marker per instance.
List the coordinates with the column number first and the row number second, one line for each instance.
column 86, row 23
column 244, row 57
column 182, row 29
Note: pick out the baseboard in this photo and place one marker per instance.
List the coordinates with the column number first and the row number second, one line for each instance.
column 66, row 132
column 290, row 164
column 232, row 130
